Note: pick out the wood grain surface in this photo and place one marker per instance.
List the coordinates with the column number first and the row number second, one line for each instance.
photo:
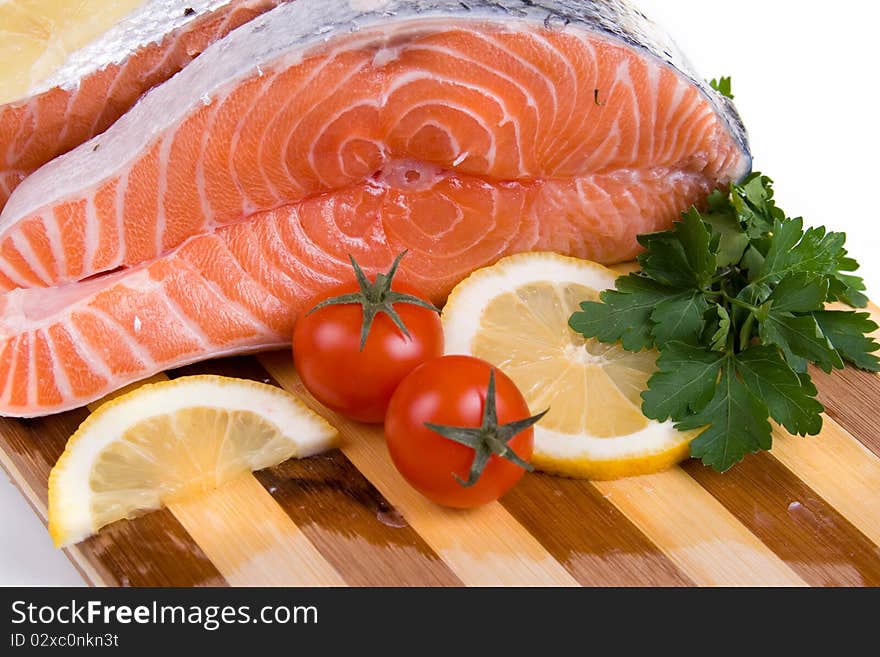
column 807, row 514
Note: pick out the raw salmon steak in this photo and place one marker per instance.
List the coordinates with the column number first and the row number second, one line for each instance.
column 203, row 221
column 103, row 80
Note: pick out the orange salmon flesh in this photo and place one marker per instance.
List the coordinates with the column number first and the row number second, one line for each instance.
column 201, row 223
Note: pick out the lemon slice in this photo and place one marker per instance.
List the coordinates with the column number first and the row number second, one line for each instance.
column 36, row 36
column 515, row 315
column 169, row 440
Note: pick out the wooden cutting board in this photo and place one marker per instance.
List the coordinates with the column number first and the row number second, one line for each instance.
column 806, row 514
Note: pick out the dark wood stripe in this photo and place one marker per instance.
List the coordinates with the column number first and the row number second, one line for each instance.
column 344, row 516
column 852, row 399
column 352, row 525
column 804, row 530
column 591, row 538
column 153, row 550
column 358, row 532
column 34, row 445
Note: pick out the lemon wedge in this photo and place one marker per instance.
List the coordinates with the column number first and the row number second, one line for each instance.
column 36, row 36
column 515, row 315
column 169, row 440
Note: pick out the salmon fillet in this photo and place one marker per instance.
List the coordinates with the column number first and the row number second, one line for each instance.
column 104, row 80
column 202, row 222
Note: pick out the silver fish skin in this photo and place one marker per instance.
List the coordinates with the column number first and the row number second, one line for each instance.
column 290, row 66
column 99, row 82
column 294, row 29
column 147, row 24
column 617, row 19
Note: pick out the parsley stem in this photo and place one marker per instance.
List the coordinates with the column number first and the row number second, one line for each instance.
column 741, row 304
column 732, row 300
column 720, row 277
column 745, row 334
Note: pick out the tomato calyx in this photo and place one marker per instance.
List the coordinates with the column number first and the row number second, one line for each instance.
column 489, row 438
column 376, row 297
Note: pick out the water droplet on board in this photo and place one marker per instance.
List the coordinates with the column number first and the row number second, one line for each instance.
column 392, row 518
column 795, row 506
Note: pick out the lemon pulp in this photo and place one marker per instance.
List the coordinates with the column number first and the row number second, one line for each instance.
column 167, row 441
column 515, row 315
column 36, row 36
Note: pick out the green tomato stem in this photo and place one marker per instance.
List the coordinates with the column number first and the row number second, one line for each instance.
column 376, row 297
column 488, row 439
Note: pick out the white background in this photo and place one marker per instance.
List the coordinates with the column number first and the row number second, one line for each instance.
column 805, row 79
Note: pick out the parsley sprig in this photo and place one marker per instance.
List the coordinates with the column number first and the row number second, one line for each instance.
column 724, row 86
column 734, row 299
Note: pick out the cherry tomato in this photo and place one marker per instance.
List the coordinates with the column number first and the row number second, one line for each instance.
column 453, row 391
column 355, row 379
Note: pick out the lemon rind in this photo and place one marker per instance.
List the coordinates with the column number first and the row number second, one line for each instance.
column 70, row 518
column 87, row 47
column 657, row 447
column 506, row 275
column 596, row 470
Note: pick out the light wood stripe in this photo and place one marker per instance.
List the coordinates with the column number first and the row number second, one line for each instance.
column 587, row 534
column 247, row 536
column 483, row 547
column 875, row 315
column 352, row 525
column 836, row 465
column 811, row 511
column 151, row 550
column 251, row 540
column 840, row 469
column 697, row 532
column 356, row 529
column 793, row 520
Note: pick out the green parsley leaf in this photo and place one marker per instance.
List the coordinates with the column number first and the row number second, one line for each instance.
column 801, row 339
column 680, row 318
column 730, row 240
column 753, row 294
column 722, row 86
column 795, row 251
column 718, row 341
column 733, row 299
column 684, row 382
column 790, row 398
column 752, row 263
column 680, row 257
column 799, row 293
column 623, row 315
column 847, row 289
column 754, row 204
column 850, row 333
column 736, row 420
